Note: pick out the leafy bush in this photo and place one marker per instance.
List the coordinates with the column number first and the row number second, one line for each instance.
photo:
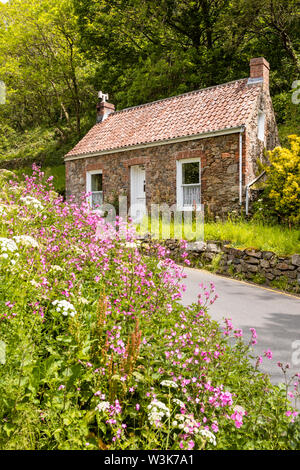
column 281, row 196
column 97, row 352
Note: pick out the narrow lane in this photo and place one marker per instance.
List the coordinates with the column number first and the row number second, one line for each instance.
column 274, row 315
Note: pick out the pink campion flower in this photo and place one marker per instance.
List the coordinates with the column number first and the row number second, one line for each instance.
column 169, row 308
column 65, row 293
column 111, row 421
column 215, row 426
column 254, row 336
column 253, row 331
column 9, row 304
column 61, row 387
column 238, row 333
column 238, row 419
column 238, row 415
column 191, row 445
column 229, row 326
column 137, row 407
column 268, row 354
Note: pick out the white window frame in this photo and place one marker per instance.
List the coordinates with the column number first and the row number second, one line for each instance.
column 179, row 185
column 89, row 185
column 261, row 126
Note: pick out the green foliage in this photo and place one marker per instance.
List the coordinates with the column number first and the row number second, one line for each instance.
column 241, row 234
column 281, row 194
column 260, row 236
column 42, row 145
column 89, row 372
column 55, row 56
column 174, row 46
column 45, row 74
column 215, row 263
column 259, row 279
column 281, row 283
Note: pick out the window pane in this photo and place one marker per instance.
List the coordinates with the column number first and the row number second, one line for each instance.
column 190, row 173
column 97, row 182
column 97, row 200
column 261, row 126
column 191, row 195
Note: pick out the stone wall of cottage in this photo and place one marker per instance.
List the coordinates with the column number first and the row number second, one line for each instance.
column 255, row 147
column 219, row 166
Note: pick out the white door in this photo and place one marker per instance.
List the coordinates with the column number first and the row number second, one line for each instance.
column 137, row 192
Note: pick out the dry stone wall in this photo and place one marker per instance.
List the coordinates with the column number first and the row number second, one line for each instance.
column 263, row 267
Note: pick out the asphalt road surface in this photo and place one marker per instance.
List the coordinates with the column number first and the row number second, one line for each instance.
column 274, row 315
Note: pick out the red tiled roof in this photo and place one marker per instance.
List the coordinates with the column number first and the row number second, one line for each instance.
column 207, row 110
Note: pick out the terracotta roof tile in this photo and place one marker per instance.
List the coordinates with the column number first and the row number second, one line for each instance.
column 207, row 110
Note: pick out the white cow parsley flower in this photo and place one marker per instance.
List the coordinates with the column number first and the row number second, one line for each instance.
column 8, row 250
column 64, row 307
column 169, row 383
column 102, row 406
column 179, row 402
column 32, row 201
column 26, row 240
column 208, row 436
column 56, row 268
column 6, row 244
column 157, row 410
column 131, row 245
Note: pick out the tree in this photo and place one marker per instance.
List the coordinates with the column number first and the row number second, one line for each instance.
column 157, row 48
column 40, row 62
column 280, row 19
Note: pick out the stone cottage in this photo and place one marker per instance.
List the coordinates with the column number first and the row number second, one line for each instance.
column 197, row 148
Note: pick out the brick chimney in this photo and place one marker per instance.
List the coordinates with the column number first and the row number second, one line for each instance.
column 260, row 69
column 103, row 107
